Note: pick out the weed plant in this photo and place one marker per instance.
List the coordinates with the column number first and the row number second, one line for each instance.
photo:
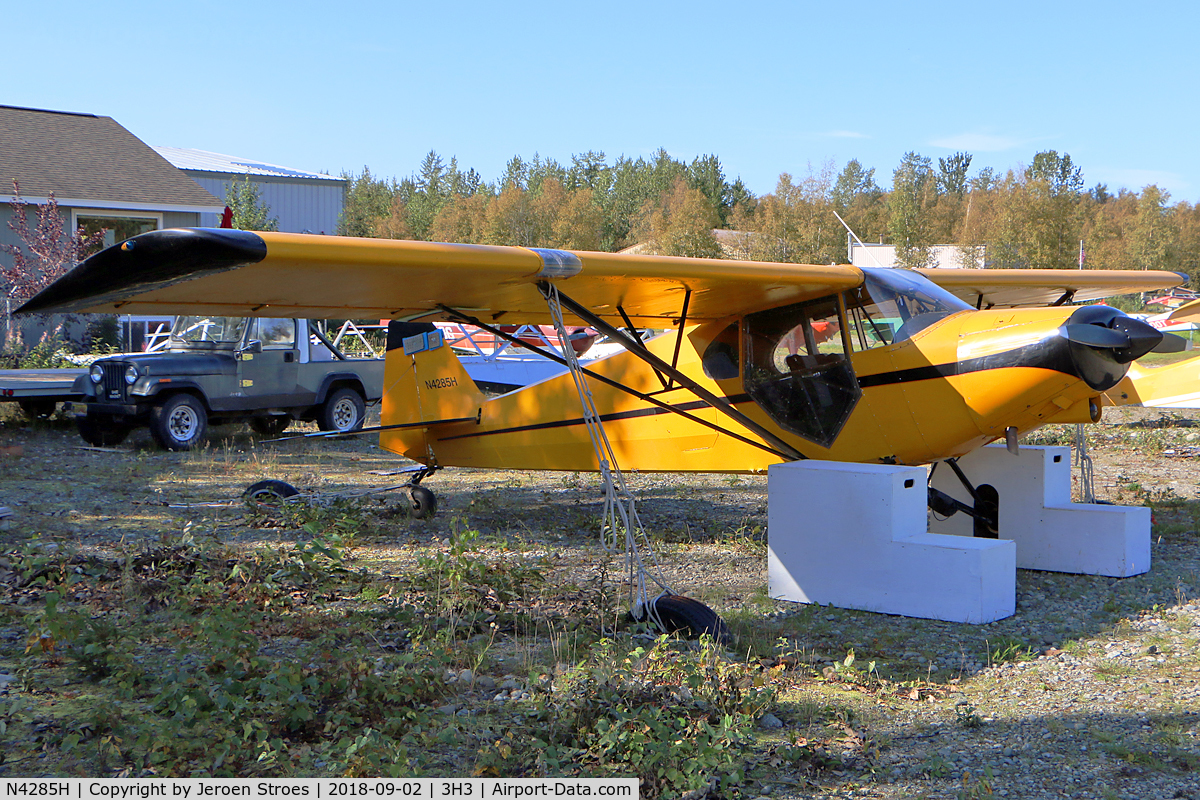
column 679, row 718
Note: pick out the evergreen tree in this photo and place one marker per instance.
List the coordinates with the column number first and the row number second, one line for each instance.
column 853, row 182
column 249, row 213
column 913, row 192
column 953, row 175
column 368, row 201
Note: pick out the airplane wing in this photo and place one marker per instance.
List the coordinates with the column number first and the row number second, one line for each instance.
column 1172, row 386
column 1188, row 312
column 241, row 273
column 1003, row 288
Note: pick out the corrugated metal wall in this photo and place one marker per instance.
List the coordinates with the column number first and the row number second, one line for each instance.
column 300, row 206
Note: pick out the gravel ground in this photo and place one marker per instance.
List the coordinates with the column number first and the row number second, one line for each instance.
column 1089, row 690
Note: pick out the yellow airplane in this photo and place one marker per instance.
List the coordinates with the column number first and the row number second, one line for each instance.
column 759, row 363
column 762, row 362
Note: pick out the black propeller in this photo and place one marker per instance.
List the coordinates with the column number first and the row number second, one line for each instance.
column 1094, row 335
column 1171, row 344
column 1104, row 328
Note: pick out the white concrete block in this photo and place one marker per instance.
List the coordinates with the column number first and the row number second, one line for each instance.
column 854, row 536
column 1051, row 532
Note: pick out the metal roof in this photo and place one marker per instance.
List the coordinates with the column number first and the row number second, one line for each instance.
column 204, row 161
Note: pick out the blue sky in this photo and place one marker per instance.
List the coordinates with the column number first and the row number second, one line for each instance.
column 768, row 87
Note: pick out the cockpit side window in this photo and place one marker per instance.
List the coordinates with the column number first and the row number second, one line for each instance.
column 797, row 370
column 720, row 359
column 892, row 305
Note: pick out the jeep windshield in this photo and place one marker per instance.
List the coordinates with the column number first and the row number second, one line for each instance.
column 207, row 332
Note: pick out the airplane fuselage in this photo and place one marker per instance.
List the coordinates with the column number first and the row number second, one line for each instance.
column 843, row 378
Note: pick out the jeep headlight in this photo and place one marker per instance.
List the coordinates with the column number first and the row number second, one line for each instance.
column 131, row 374
column 96, row 373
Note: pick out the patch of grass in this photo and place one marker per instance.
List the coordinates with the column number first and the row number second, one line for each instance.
column 1004, row 649
column 678, row 718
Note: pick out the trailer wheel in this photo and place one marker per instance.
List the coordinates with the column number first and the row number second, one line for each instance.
column 179, row 422
column 270, row 426
column 38, row 407
column 343, row 411
column 101, row 430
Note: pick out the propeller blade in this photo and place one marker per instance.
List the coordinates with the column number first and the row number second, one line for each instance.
column 1171, row 343
column 1086, row 333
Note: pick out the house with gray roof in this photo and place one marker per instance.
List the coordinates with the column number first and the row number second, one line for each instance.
column 301, row 201
column 101, row 175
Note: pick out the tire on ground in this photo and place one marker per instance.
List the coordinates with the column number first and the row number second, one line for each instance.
column 681, row 614
column 268, row 490
column 179, row 422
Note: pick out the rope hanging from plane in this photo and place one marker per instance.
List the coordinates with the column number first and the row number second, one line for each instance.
column 1087, row 476
column 620, row 512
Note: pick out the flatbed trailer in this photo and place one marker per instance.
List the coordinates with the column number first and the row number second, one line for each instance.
column 37, row 391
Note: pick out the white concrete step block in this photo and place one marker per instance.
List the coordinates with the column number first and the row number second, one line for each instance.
column 1051, row 532
column 855, row 536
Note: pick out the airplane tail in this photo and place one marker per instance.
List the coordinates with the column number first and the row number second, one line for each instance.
column 424, row 384
column 1173, row 386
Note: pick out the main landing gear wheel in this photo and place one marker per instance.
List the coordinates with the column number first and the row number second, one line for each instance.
column 422, row 502
column 343, row 412
column 179, row 423
column 269, row 490
column 690, row 617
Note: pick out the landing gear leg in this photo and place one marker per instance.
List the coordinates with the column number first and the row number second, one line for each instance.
column 986, row 508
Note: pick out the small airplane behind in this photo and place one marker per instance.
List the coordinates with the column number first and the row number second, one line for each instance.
column 761, row 363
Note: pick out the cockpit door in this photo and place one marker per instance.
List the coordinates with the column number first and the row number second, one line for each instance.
column 798, row 367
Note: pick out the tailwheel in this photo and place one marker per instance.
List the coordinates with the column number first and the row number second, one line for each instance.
column 675, row 613
column 423, row 503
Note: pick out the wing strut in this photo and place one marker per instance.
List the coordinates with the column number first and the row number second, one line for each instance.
column 469, row 320
column 719, row 403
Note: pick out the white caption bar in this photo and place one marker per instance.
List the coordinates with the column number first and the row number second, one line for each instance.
column 319, row 788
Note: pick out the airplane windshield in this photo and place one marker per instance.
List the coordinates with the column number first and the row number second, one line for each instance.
column 216, row 330
column 892, row 305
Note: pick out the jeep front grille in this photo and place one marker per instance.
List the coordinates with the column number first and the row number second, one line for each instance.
column 114, row 382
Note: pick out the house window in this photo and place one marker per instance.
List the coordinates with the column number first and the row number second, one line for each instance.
column 116, row 228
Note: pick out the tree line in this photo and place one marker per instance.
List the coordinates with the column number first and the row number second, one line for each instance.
column 1033, row 216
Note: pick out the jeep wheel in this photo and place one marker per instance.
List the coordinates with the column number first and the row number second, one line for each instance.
column 179, row 422
column 270, row 426
column 101, row 430
column 343, row 412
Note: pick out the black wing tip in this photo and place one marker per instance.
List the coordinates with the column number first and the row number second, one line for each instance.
column 145, row 262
